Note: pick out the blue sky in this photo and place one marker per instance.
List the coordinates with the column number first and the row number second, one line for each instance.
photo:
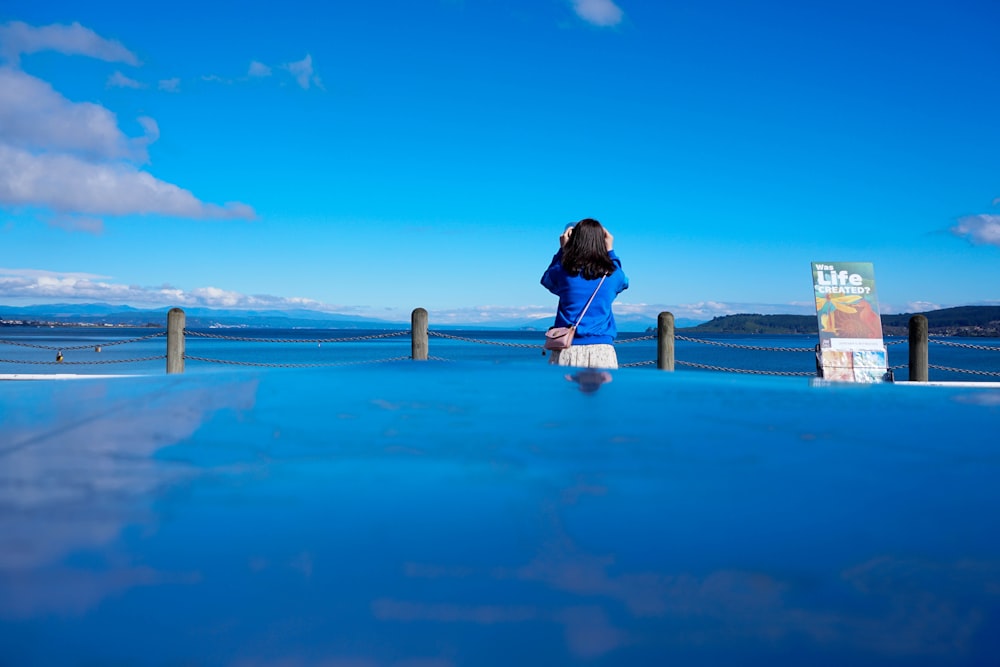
column 372, row 157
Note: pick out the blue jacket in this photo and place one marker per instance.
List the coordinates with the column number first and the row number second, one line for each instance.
column 598, row 325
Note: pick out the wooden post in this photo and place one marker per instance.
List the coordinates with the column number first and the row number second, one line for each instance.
column 175, row 341
column 918, row 349
column 665, row 341
column 418, row 334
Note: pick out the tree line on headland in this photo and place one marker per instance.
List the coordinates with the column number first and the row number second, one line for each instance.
column 959, row 321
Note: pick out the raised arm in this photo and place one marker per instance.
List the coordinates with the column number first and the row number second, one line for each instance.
column 555, row 269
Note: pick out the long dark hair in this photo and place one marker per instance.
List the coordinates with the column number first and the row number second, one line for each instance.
column 585, row 252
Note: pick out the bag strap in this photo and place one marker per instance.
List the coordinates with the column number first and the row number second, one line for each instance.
column 580, row 319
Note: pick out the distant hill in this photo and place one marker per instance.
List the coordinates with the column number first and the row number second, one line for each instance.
column 751, row 323
column 961, row 321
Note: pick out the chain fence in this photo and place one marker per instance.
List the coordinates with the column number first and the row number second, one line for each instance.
column 256, row 364
column 967, row 346
column 386, row 335
column 247, row 339
column 97, row 346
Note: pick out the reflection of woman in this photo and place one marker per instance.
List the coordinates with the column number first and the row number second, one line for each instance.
column 590, row 380
column 585, row 256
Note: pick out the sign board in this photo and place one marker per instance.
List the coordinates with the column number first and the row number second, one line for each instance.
column 850, row 327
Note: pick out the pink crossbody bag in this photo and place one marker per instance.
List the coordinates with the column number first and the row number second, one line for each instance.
column 560, row 338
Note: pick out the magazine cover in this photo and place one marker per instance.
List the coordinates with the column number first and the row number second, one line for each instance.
column 850, row 327
column 847, row 306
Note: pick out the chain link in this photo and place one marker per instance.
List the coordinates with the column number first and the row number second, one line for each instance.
column 745, row 347
column 967, row 346
column 81, row 363
column 266, row 365
column 438, row 334
column 962, row 370
column 83, row 347
column 634, row 364
column 244, row 339
column 743, row 370
column 636, row 340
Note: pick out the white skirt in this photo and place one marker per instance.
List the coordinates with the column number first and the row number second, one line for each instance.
column 586, row 356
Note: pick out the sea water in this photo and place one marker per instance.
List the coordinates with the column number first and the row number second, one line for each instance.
column 100, row 354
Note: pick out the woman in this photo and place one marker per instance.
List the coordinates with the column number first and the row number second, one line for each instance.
column 585, row 256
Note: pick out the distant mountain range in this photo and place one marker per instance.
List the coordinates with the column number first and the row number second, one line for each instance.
column 960, row 321
column 98, row 314
column 103, row 314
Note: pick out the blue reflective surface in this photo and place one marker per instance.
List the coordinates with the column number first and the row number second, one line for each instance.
column 423, row 514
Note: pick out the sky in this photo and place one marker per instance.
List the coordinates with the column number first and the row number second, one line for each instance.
column 372, row 157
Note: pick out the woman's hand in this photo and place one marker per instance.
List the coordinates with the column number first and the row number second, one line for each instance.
column 609, row 240
column 564, row 237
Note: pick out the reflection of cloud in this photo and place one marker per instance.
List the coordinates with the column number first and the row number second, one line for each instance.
column 68, row 469
column 884, row 606
column 988, row 398
column 297, row 661
column 929, row 604
column 29, row 594
column 589, row 634
column 398, row 610
column 588, row 631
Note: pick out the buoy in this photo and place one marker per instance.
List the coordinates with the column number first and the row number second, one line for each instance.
column 59, row 356
column 97, row 349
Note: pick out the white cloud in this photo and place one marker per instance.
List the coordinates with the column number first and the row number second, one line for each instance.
column 41, row 286
column 71, row 158
column 215, row 78
column 258, row 69
column 33, row 115
column 980, row 229
column 170, row 85
column 921, row 306
column 119, row 80
column 302, row 70
column 603, row 13
column 18, row 38
column 67, row 184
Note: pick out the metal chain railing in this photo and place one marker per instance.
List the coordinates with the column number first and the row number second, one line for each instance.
column 964, row 370
column 745, row 370
column 967, row 346
column 245, row 339
column 82, row 363
column 438, row 334
column 256, row 364
column 759, row 348
column 625, row 341
column 83, row 347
